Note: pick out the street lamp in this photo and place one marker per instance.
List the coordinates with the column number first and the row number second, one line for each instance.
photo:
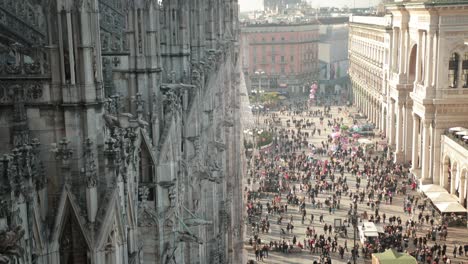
column 354, row 220
column 259, row 73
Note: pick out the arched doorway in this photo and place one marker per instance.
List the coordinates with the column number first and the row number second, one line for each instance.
column 446, row 173
column 412, row 64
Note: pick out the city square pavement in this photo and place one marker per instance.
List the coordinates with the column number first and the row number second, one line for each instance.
column 456, row 236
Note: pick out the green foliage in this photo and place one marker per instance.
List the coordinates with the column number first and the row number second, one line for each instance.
column 264, row 139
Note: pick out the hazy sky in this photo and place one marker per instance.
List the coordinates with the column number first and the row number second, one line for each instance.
column 248, row 5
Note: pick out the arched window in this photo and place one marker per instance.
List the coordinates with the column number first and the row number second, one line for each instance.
column 465, row 70
column 453, row 70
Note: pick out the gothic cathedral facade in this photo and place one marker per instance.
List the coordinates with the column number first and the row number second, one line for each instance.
column 120, row 132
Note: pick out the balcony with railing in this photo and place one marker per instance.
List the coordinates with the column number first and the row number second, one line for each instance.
column 452, row 93
column 458, row 139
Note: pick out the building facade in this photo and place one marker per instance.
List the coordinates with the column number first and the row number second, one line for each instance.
column 278, row 5
column 425, row 84
column 286, row 53
column 369, row 49
column 333, row 57
column 120, row 132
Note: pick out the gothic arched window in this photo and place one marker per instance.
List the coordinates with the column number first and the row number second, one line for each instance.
column 465, row 70
column 453, row 70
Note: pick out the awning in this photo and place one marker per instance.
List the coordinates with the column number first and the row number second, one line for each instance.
column 441, row 197
column 462, row 133
column 452, row 207
column 391, row 256
column 456, row 129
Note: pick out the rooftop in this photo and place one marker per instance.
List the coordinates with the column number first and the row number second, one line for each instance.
column 430, row 2
column 384, row 21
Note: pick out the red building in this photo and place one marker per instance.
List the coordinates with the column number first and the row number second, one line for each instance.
column 286, row 53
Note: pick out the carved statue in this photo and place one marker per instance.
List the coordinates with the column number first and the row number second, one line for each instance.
column 196, row 145
column 140, row 103
column 168, row 255
column 32, row 68
column 172, row 101
column 144, row 192
column 220, row 146
column 4, row 208
column 10, row 250
column 186, row 236
column 90, row 166
column 63, row 152
column 172, row 76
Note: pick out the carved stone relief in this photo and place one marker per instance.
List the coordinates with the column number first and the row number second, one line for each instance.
column 24, row 91
column 112, row 22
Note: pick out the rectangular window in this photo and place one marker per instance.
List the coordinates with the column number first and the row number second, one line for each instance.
column 453, row 70
column 465, row 70
column 292, row 58
column 282, row 70
column 273, row 59
column 282, row 58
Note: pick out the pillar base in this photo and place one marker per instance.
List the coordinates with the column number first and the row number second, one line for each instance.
column 424, row 181
column 399, row 157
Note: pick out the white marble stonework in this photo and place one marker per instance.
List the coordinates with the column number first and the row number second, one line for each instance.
column 425, row 80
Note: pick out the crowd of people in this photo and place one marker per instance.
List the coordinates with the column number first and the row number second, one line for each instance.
column 311, row 175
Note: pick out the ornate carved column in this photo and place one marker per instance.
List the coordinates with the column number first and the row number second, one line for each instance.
column 394, row 59
column 430, row 58
column 402, row 46
column 408, row 132
column 89, row 91
column 399, row 134
column 63, row 153
column 71, row 50
column 383, row 120
column 462, row 189
column 90, row 173
column 433, row 72
column 425, row 151
column 417, row 74
column 415, row 153
column 455, row 174
column 391, row 126
column 435, row 149
column 376, row 116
